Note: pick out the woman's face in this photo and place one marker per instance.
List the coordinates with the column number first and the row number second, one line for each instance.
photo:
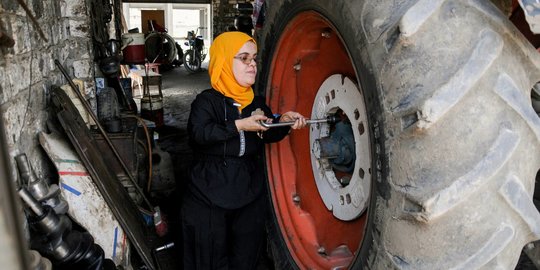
column 244, row 64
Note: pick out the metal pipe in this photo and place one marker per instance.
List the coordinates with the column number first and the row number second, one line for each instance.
column 329, row 120
column 34, row 205
column 102, row 131
column 167, row 246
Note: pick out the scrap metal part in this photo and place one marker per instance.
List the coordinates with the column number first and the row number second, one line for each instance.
column 115, row 195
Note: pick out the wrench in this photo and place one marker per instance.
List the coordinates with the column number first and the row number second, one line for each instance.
column 331, row 119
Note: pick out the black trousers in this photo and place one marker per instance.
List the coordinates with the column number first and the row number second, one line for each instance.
column 222, row 239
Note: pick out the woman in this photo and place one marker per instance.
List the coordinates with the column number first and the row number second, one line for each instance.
column 224, row 208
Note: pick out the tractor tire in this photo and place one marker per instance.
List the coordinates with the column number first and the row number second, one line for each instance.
column 446, row 140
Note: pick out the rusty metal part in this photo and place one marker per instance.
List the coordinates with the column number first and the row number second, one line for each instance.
column 116, row 196
column 33, row 19
column 105, row 136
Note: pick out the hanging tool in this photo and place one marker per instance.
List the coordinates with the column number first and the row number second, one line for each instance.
column 331, row 119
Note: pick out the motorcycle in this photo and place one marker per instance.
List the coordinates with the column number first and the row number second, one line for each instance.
column 195, row 55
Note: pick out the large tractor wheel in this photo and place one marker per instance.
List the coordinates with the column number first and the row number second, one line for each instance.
column 433, row 163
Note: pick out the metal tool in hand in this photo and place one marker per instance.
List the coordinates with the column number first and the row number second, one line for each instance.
column 331, row 119
column 258, row 111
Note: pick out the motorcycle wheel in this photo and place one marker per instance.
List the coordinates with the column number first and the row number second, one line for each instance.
column 192, row 64
column 445, row 138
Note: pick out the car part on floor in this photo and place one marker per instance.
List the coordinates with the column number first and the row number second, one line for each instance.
column 13, row 236
column 38, row 187
column 88, row 207
column 54, row 237
column 444, row 135
column 123, row 208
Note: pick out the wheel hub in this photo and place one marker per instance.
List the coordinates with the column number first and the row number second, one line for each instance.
column 340, row 155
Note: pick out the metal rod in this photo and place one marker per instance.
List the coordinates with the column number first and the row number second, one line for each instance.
column 329, row 120
column 30, row 201
column 167, row 246
column 102, row 131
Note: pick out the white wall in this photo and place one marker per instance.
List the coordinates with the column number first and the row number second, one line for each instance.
column 205, row 18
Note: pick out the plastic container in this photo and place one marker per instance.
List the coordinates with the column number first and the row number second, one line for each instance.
column 133, row 48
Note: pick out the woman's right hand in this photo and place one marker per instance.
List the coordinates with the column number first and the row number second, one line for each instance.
column 251, row 123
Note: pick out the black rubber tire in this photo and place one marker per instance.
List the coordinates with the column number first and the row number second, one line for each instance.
column 456, row 141
column 107, row 105
column 192, row 66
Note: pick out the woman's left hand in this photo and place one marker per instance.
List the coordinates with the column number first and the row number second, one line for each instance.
column 299, row 120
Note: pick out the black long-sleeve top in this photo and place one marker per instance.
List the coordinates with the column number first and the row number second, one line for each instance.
column 228, row 169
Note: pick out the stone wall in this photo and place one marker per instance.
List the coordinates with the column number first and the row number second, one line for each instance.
column 27, row 69
column 224, row 13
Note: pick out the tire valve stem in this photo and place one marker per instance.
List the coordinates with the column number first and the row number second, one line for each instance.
column 322, row 251
column 296, row 199
column 297, row 66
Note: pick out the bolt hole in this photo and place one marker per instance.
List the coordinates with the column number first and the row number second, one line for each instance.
column 348, row 198
column 361, row 128
column 327, row 97
column 361, row 173
column 333, row 93
column 356, row 114
column 341, row 200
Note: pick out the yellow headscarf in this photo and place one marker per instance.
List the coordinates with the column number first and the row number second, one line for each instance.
column 222, row 51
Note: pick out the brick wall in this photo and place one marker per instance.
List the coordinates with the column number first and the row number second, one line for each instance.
column 27, row 69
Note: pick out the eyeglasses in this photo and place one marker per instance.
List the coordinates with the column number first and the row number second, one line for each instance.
column 246, row 59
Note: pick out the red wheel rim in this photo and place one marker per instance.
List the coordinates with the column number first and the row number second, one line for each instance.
column 309, row 51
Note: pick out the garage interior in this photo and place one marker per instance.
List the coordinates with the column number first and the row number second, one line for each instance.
column 43, row 44
column 94, row 101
